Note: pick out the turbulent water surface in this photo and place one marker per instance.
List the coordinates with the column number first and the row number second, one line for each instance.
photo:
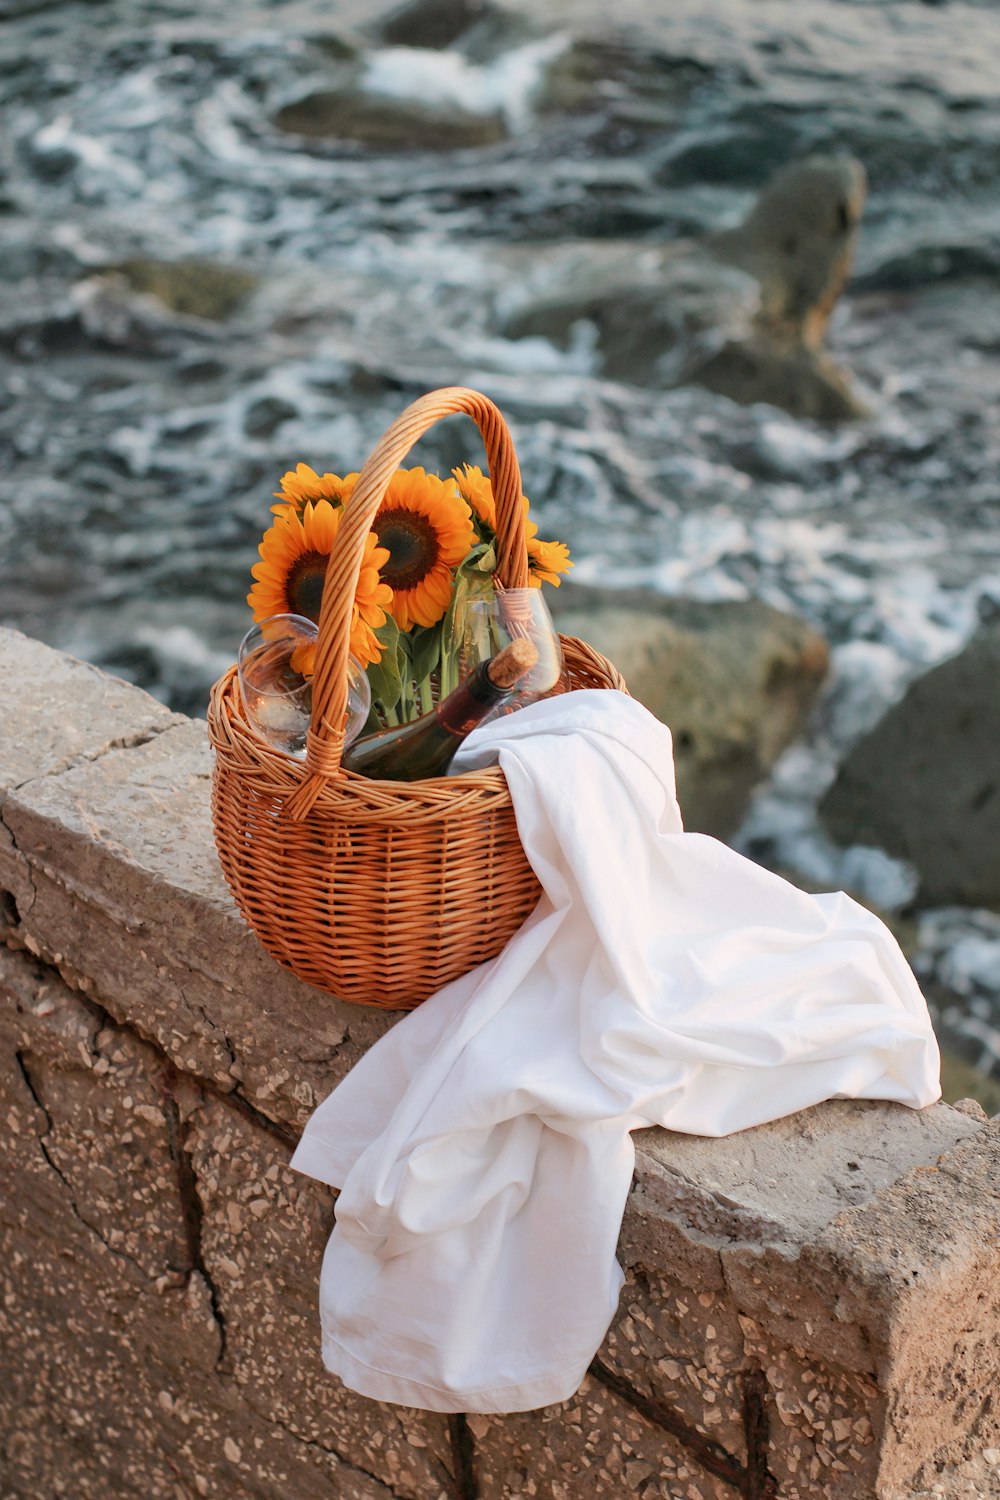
column 142, row 437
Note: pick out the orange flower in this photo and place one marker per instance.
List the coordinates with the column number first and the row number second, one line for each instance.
column 476, row 490
column 289, row 577
column 427, row 530
column 546, row 560
column 302, row 484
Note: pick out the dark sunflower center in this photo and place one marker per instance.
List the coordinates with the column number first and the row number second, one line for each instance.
column 304, row 584
column 413, row 547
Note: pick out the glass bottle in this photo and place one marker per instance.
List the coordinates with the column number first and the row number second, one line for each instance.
column 425, row 747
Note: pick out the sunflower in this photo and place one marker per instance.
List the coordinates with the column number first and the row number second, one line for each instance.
column 476, row 490
column 546, row 560
column 428, row 531
column 289, row 577
column 302, row 484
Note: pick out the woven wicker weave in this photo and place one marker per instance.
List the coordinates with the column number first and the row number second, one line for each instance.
column 378, row 891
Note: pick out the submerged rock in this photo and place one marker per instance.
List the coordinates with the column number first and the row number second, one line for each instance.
column 433, row 23
column 113, row 316
column 800, row 381
column 925, row 783
column 743, row 311
column 734, row 681
column 385, row 124
column 193, row 288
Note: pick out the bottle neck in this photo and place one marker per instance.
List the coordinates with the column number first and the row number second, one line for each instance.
column 462, row 710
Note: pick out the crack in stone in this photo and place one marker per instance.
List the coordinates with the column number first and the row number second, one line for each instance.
column 711, row 1455
column 760, row 1482
column 212, row 1027
column 81, row 985
column 90, row 757
column 10, row 917
column 463, row 1452
column 192, row 1212
column 235, row 1096
column 29, row 1083
column 347, row 1463
column 23, row 861
column 283, row 1133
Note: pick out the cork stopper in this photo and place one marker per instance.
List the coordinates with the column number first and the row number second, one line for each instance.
column 512, row 663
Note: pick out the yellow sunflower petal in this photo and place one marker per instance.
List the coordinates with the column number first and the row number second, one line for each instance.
column 476, row 490
column 546, row 560
column 427, row 529
column 290, row 576
column 303, row 484
column 321, row 520
column 364, row 643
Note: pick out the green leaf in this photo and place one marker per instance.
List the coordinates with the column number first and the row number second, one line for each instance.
column 386, row 676
column 425, row 650
column 472, row 557
column 487, row 563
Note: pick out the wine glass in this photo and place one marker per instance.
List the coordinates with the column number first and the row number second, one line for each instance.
column 488, row 622
column 275, row 671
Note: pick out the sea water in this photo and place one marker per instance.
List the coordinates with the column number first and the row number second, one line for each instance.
column 142, row 441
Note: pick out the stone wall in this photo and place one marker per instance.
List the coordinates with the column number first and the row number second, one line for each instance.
column 812, row 1308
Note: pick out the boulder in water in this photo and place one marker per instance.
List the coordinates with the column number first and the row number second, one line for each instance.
column 734, row 681
column 798, row 243
column 800, row 381
column 433, row 23
column 924, row 784
column 386, row 124
column 158, row 307
column 743, row 311
column 192, row 288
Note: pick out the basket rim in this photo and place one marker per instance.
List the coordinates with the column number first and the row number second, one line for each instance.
column 347, row 796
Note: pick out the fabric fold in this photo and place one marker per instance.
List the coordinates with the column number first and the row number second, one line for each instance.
column 482, row 1148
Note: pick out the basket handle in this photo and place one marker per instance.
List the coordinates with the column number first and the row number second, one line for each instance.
column 325, row 739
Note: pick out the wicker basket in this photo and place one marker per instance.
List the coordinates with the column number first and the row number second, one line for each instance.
column 378, row 891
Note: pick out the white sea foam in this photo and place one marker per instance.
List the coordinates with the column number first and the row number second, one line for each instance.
column 507, row 85
column 793, row 448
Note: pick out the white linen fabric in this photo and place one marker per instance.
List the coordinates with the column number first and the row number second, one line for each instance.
column 482, row 1147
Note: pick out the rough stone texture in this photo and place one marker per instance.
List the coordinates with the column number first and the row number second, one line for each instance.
column 134, row 907
column 924, row 783
column 811, row 1308
column 976, row 1478
column 63, row 712
column 840, row 1240
column 735, row 682
column 597, row 1444
column 160, row 1268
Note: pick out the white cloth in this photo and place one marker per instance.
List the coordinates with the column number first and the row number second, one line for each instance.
column 482, row 1146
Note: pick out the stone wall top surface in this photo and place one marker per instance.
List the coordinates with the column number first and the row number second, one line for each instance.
column 59, row 710
column 786, row 1181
